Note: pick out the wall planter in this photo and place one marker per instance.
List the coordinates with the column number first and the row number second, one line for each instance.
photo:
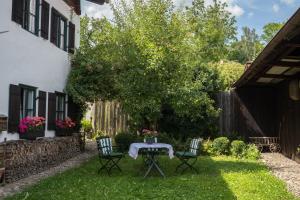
column 62, row 132
column 32, row 134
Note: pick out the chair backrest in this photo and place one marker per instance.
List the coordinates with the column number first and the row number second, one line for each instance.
column 104, row 146
column 195, row 145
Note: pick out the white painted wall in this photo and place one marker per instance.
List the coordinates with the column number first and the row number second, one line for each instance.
column 31, row 60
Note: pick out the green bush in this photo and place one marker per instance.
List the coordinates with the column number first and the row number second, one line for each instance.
column 206, row 147
column 238, row 148
column 220, row 146
column 252, row 152
column 97, row 134
column 124, row 139
column 86, row 125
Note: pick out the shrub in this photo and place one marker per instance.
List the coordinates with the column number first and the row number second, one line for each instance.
column 206, row 147
column 238, row 148
column 220, row 146
column 97, row 134
column 252, row 152
column 86, row 125
column 124, row 139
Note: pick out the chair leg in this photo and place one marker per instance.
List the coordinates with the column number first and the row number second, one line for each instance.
column 104, row 165
column 185, row 162
column 180, row 165
column 115, row 164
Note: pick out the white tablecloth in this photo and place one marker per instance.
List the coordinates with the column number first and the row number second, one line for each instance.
column 134, row 148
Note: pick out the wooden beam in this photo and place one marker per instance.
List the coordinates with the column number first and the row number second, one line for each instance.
column 293, row 45
column 280, row 76
column 291, row 57
column 286, row 64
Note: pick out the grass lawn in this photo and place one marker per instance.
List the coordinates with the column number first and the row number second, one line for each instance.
column 219, row 178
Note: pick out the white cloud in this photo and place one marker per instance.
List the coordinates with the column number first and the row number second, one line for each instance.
column 233, row 7
column 97, row 11
column 100, row 11
column 287, row 2
column 236, row 10
column 275, row 7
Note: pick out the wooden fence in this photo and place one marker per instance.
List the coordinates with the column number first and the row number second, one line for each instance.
column 108, row 117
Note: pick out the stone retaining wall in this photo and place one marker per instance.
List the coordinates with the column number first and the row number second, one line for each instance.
column 24, row 158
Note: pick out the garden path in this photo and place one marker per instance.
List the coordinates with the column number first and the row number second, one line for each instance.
column 285, row 169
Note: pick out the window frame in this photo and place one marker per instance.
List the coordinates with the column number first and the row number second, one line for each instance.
column 60, row 18
column 58, row 112
column 27, row 14
column 23, row 105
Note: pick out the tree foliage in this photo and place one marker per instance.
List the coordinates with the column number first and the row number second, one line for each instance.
column 154, row 57
column 247, row 48
column 270, row 30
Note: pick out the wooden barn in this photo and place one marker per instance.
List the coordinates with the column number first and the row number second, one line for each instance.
column 265, row 101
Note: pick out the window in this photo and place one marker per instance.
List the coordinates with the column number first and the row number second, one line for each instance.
column 28, row 97
column 26, row 13
column 59, row 30
column 60, row 106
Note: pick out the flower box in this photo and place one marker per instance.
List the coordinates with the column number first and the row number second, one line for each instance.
column 32, row 134
column 64, row 127
column 62, row 132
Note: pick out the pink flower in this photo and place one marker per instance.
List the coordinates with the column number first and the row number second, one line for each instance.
column 31, row 123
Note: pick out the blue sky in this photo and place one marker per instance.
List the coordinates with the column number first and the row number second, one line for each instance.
column 251, row 13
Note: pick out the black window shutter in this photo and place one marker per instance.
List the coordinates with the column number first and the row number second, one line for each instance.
column 42, row 104
column 51, row 111
column 74, row 112
column 45, row 20
column 54, row 26
column 14, row 108
column 17, row 11
column 71, row 37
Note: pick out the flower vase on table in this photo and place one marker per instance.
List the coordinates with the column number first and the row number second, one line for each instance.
column 149, row 136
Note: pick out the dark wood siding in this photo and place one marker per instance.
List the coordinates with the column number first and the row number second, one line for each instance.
column 45, row 20
column 288, row 121
column 264, row 111
column 250, row 112
column 14, row 108
column 51, row 111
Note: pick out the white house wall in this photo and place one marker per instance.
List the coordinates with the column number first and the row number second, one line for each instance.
column 31, row 60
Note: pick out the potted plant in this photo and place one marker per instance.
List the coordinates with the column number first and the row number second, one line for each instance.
column 31, row 127
column 149, row 136
column 65, row 127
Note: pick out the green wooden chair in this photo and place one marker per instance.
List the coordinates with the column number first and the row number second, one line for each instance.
column 189, row 156
column 108, row 157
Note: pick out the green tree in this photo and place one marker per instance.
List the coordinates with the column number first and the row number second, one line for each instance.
column 154, row 56
column 247, row 48
column 229, row 71
column 270, row 30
